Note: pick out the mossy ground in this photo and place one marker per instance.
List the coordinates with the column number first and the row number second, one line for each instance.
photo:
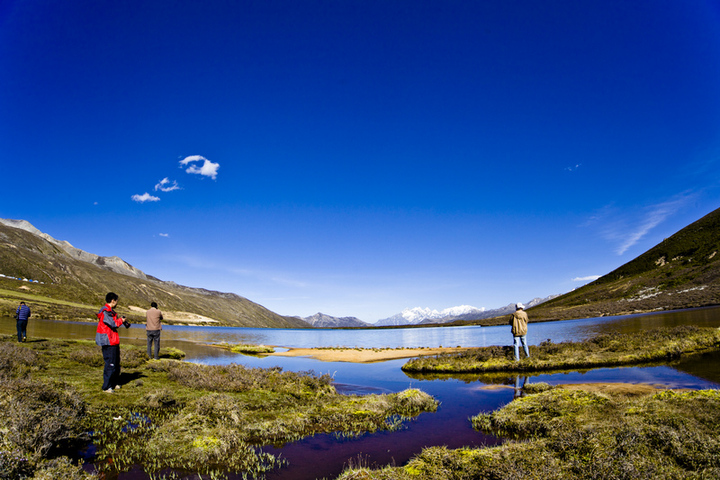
column 611, row 349
column 169, row 416
column 564, row 434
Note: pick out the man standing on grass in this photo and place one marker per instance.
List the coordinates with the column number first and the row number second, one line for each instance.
column 153, row 329
column 519, row 323
column 22, row 314
column 108, row 339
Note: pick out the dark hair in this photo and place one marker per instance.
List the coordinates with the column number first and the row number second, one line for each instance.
column 110, row 297
column 22, row 303
column 153, row 304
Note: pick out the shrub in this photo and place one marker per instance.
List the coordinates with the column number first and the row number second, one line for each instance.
column 92, row 357
column 14, row 464
column 131, row 357
column 17, row 361
column 160, row 398
column 238, row 378
column 42, row 416
column 61, row 468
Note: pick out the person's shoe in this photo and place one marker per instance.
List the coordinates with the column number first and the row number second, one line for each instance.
column 116, row 387
column 109, row 390
column 24, row 339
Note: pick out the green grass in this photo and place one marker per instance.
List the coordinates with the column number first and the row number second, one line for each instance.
column 612, row 349
column 168, row 414
column 563, row 434
column 247, row 349
column 29, row 297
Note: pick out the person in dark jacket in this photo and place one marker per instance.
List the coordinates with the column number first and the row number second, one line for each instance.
column 108, row 339
column 22, row 314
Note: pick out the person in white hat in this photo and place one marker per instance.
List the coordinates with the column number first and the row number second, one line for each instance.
column 519, row 323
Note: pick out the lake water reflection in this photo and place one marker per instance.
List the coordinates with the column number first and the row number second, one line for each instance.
column 326, row 456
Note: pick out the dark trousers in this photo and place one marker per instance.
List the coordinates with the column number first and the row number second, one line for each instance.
column 153, row 336
column 22, row 330
column 111, row 372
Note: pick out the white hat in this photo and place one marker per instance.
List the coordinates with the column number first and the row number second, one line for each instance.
column 518, row 306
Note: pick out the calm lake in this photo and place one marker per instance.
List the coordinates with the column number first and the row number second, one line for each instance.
column 326, row 456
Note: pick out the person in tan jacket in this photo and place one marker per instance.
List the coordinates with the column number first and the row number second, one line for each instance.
column 519, row 323
column 153, row 329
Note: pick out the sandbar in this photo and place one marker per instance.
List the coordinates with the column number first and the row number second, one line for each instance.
column 366, row 355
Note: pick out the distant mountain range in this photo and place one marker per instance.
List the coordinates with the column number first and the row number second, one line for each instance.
column 70, row 284
column 320, row 320
column 420, row 316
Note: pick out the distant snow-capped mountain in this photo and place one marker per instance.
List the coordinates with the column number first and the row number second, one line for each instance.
column 320, row 320
column 417, row 315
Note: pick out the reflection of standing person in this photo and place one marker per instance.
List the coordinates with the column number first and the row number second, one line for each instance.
column 519, row 385
column 153, row 329
column 109, row 340
column 22, row 314
column 519, row 323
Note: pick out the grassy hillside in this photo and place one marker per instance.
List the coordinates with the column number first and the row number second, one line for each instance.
column 73, row 289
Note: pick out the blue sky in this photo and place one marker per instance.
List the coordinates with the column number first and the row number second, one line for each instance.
column 362, row 157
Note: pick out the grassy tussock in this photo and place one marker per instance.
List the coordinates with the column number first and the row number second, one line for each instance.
column 563, row 434
column 612, row 349
column 251, row 349
column 169, row 416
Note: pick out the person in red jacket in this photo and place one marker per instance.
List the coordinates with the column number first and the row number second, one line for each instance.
column 108, row 339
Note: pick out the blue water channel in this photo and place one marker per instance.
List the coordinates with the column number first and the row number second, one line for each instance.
column 325, row 456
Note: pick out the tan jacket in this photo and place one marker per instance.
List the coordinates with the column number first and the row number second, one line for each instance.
column 519, row 323
column 153, row 317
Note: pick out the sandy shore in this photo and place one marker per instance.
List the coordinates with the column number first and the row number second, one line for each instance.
column 182, row 317
column 364, row 355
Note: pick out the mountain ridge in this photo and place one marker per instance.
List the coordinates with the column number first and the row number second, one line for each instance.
column 321, row 320
column 72, row 284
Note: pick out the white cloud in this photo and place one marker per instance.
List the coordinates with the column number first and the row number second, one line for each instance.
column 574, row 167
column 207, row 169
column 655, row 215
column 164, row 234
column 145, row 197
column 589, row 278
column 628, row 228
column 165, row 185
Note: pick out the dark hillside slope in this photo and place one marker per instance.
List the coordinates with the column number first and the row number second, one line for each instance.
column 682, row 271
column 69, row 288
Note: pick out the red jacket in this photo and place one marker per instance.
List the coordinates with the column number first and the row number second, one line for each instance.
column 108, row 323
